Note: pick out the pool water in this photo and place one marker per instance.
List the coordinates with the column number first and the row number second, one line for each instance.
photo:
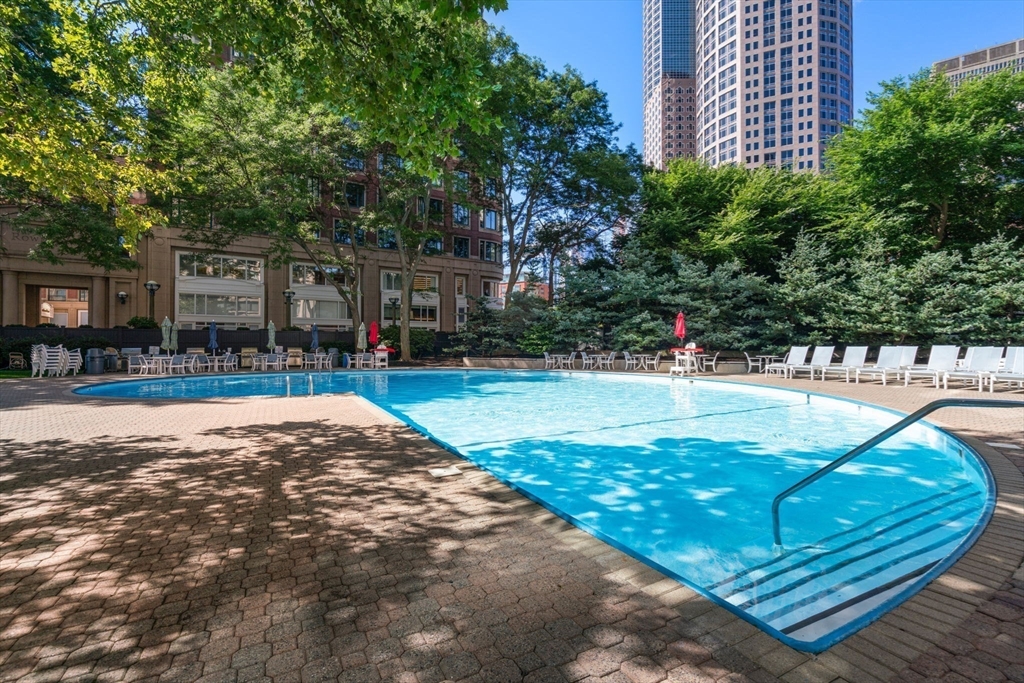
column 681, row 474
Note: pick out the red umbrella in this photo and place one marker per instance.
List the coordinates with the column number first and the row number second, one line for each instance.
column 681, row 325
column 374, row 332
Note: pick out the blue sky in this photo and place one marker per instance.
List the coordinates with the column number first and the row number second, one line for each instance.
column 601, row 38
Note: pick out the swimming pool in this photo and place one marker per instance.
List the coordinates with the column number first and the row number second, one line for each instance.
column 681, row 473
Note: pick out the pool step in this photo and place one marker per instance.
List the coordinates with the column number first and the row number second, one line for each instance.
column 814, row 589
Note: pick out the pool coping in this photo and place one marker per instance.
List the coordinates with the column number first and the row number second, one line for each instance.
column 876, row 652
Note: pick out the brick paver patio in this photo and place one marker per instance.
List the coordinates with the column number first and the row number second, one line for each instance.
column 304, row 540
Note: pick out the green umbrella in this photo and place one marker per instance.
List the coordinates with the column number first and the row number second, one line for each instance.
column 361, row 339
column 165, row 329
column 271, row 331
column 174, row 337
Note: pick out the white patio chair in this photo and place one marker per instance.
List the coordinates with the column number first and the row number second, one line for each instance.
column 201, row 363
column 984, row 364
column 821, row 357
column 706, row 360
column 797, row 355
column 275, row 361
column 137, row 364
column 630, row 363
column 888, row 364
column 569, row 362
column 1012, row 371
column 941, row 359
column 853, row 358
column 309, row 361
column 180, row 363
column 230, row 362
column 606, row 362
column 652, row 364
column 549, row 362
column 588, row 361
column 380, row 359
column 38, row 359
column 754, row 362
column 74, row 361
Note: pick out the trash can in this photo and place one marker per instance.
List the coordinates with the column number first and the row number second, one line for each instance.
column 111, row 361
column 95, row 361
column 345, row 360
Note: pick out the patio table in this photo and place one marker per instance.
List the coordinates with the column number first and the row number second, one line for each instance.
column 218, row 363
column 561, row 360
column 161, row 365
column 766, row 360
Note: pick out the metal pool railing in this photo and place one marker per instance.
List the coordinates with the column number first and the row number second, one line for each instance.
column 874, row 441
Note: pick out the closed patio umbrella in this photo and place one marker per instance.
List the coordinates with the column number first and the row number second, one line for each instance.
column 681, row 326
column 374, row 332
column 165, row 331
column 361, row 338
column 315, row 343
column 174, row 337
column 213, row 337
column 271, row 336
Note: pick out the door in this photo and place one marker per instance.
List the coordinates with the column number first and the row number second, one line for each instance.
column 60, row 319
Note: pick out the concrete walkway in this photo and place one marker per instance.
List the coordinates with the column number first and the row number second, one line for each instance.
column 304, row 540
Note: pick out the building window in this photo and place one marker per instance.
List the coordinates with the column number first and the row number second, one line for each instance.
column 461, row 181
column 490, row 219
column 355, row 195
column 214, row 305
column 424, row 283
column 390, row 280
column 57, row 294
column 490, row 251
column 342, row 235
column 386, row 239
column 433, row 246
column 489, row 288
column 309, row 274
column 224, row 267
column 417, row 314
column 355, row 163
column 437, row 210
column 460, row 285
column 460, row 214
column 318, row 309
column 491, row 188
column 460, row 247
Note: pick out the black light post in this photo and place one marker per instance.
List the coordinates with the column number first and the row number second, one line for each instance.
column 394, row 313
column 289, row 294
column 151, row 287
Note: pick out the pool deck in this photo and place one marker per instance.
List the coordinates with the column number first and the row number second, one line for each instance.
column 303, row 540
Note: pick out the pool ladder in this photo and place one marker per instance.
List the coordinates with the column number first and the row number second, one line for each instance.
column 874, row 441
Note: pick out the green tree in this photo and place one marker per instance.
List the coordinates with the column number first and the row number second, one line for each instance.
column 265, row 163
column 950, row 161
column 554, row 155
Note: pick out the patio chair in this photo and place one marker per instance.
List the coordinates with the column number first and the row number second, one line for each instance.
column 1012, row 371
column 821, row 357
column 74, row 361
column 200, row 362
column 797, row 355
column 16, row 361
column 588, row 361
column 630, row 363
column 888, row 364
column 568, row 363
column 275, row 361
column 755, row 362
column 704, row 360
column 941, row 359
column 853, row 358
column 549, row 362
column 309, row 361
column 380, row 359
column 606, row 362
column 230, row 362
column 181, row 363
column 984, row 364
column 652, row 364
column 137, row 364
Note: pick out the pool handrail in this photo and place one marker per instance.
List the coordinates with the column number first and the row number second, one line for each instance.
column 874, row 441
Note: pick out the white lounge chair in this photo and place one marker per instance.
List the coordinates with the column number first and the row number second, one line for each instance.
column 74, row 361
column 908, row 356
column 853, row 358
column 984, row 364
column 941, row 359
column 796, row 356
column 888, row 364
column 1012, row 372
column 821, row 358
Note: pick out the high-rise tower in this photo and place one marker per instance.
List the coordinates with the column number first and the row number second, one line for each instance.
column 669, row 89
column 774, row 80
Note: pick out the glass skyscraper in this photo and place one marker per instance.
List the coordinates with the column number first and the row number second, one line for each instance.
column 668, row 85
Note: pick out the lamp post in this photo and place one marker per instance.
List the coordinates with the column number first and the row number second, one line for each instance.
column 289, row 294
column 394, row 314
column 151, row 287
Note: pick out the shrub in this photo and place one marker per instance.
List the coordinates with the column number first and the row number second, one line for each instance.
column 421, row 341
column 140, row 322
column 46, row 325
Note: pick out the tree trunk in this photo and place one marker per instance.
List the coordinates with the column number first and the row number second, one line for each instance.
column 940, row 229
column 551, row 279
column 406, row 324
